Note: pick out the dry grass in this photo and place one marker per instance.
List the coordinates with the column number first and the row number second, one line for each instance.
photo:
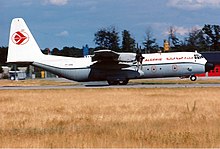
column 35, row 82
column 176, row 81
column 183, row 117
column 45, row 82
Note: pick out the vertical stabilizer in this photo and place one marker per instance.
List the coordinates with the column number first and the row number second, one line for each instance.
column 22, row 45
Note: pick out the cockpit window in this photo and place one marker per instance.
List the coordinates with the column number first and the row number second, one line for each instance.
column 198, row 56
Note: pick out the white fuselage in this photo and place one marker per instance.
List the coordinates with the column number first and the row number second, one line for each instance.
column 177, row 64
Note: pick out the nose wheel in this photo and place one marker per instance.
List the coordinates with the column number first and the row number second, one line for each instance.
column 193, row 78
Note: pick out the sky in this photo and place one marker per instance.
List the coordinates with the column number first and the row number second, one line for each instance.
column 59, row 23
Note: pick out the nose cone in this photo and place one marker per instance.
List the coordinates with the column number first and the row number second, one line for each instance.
column 209, row 66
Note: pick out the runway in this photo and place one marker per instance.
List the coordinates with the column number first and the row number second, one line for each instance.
column 91, row 85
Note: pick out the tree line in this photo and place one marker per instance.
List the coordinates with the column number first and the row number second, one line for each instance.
column 205, row 39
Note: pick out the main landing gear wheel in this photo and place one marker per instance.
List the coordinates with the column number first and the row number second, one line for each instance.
column 124, row 82
column 110, row 82
column 193, row 78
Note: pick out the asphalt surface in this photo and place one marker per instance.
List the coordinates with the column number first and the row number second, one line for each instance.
column 105, row 85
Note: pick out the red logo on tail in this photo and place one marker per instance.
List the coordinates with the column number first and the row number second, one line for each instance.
column 20, row 38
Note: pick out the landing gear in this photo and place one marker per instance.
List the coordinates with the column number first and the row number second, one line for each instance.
column 193, row 78
column 125, row 82
column 110, row 82
column 120, row 82
column 12, row 78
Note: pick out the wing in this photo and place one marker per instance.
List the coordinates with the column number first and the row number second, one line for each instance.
column 107, row 59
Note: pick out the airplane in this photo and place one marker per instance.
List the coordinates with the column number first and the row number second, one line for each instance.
column 105, row 65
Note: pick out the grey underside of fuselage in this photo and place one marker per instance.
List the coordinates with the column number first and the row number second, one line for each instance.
column 147, row 71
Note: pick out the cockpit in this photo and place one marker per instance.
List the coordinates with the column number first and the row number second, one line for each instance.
column 197, row 56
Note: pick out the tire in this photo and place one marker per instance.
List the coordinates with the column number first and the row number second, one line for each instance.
column 110, row 82
column 125, row 82
column 12, row 78
column 193, row 78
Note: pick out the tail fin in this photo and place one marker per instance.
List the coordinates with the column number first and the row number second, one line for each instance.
column 22, row 45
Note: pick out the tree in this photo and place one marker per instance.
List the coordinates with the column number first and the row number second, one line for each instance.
column 71, row 52
column 128, row 43
column 172, row 39
column 55, row 51
column 3, row 55
column 46, row 51
column 196, row 41
column 101, row 38
column 107, row 38
column 212, row 33
column 150, row 43
column 68, row 51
